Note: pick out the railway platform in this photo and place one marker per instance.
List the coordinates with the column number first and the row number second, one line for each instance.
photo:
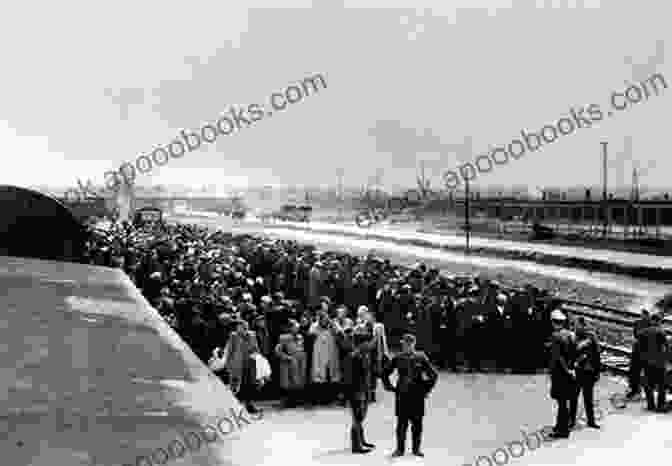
column 472, row 420
column 91, row 375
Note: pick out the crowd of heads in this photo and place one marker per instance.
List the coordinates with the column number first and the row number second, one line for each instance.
column 207, row 283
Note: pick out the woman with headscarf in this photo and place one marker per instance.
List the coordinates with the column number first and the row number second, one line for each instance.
column 325, row 367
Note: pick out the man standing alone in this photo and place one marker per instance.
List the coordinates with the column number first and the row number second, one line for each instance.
column 416, row 379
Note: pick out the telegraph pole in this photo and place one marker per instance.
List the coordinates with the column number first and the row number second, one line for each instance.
column 466, row 211
column 468, row 146
column 339, row 173
column 605, row 201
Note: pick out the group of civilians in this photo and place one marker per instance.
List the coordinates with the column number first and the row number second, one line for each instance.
column 235, row 296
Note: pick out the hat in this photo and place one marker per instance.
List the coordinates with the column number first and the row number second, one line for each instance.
column 558, row 315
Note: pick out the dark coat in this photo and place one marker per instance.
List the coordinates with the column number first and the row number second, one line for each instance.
column 417, row 377
column 588, row 364
column 357, row 375
column 292, row 362
column 653, row 343
column 563, row 352
column 428, row 325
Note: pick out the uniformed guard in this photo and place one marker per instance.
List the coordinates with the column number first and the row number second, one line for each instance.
column 563, row 377
column 588, row 367
column 654, row 359
column 636, row 358
column 357, row 372
column 416, row 378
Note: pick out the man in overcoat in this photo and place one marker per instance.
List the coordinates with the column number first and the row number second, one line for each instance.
column 655, row 357
column 563, row 377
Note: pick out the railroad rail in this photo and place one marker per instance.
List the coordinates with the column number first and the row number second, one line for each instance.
column 615, row 358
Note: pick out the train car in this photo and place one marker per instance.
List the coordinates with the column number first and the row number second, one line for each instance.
column 238, row 214
column 293, row 213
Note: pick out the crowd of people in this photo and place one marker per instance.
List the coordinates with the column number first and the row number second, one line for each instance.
column 326, row 324
column 296, row 305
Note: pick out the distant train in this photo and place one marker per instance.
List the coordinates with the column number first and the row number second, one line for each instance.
column 293, row 213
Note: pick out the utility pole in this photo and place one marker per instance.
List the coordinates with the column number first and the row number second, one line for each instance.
column 340, row 173
column 605, row 200
column 466, row 211
column 635, row 201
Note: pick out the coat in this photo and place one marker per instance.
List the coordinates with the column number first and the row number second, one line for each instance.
column 239, row 364
column 588, row 364
column 292, row 362
column 427, row 327
column 325, row 361
column 563, row 351
column 653, row 346
column 417, row 377
column 357, row 375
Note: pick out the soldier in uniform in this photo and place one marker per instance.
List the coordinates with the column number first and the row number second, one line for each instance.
column 636, row 360
column 358, row 374
column 563, row 377
column 416, row 378
column 654, row 359
column 588, row 367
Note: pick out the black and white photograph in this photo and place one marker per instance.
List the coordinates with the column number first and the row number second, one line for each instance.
column 339, row 233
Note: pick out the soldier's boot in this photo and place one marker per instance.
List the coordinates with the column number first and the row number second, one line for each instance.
column 401, row 443
column 416, row 432
column 356, row 440
column 364, row 442
column 650, row 401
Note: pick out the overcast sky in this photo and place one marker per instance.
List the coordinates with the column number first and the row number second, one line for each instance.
column 89, row 85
